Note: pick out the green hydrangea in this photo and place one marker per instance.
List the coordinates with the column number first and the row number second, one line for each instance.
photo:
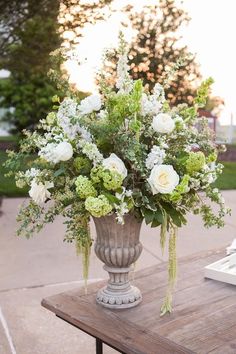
column 95, row 174
column 195, row 162
column 182, row 188
column 85, row 188
column 111, row 180
column 99, row 206
column 51, row 118
column 82, row 165
column 211, row 158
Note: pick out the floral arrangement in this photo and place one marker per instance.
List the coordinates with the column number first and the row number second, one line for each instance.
column 124, row 150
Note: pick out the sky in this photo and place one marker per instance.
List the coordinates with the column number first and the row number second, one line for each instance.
column 210, row 34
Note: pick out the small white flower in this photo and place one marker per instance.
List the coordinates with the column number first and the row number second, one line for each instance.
column 163, row 123
column 91, row 151
column 128, row 193
column 39, row 191
column 163, row 179
column 33, row 172
column 149, row 105
column 63, row 151
column 114, row 163
column 90, row 104
column 155, row 157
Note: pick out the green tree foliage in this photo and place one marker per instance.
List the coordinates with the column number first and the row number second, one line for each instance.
column 28, row 33
column 155, row 50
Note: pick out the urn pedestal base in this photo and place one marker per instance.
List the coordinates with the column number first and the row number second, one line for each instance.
column 118, row 247
column 119, row 293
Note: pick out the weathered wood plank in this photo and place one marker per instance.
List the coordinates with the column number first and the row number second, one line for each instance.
column 106, row 325
column 203, row 321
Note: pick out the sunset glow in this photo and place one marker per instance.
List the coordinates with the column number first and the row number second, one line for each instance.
column 210, row 34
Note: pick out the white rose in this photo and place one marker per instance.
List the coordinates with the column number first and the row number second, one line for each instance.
column 114, row 163
column 39, row 191
column 63, row 152
column 163, row 123
column 90, row 104
column 163, row 179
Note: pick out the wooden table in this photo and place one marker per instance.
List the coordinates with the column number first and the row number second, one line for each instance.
column 203, row 321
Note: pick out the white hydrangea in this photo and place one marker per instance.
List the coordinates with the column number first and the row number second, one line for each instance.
column 91, row 151
column 155, row 157
column 90, row 104
column 124, row 82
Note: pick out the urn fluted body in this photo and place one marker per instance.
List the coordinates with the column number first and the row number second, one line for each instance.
column 118, row 247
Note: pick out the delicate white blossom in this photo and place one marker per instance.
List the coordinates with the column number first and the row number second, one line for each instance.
column 66, row 115
column 155, row 157
column 124, row 82
column 39, row 191
column 163, row 179
column 114, row 163
column 150, row 105
column 163, row 123
column 91, row 151
column 48, row 152
column 90, row 104
column 33, row 172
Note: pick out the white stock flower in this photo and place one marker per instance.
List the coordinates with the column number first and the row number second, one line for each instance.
column 124, row 82
column 39, row 191
column 163, row 179
column 90, row 104
column 114, row 163
column 63, row 151
column 155, row 157
column 67, row 111
column 163, row 123
column 67, row 108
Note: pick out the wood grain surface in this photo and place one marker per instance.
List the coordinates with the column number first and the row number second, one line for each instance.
column 203, row 321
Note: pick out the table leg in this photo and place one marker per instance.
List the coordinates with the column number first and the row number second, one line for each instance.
column 99, row 349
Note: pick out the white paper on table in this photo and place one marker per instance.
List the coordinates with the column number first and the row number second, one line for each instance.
column 232, row 248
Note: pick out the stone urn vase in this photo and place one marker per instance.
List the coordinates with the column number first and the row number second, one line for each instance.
column 118, row 247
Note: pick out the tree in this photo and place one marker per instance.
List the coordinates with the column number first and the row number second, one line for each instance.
column 155, row 50
column 28, row 33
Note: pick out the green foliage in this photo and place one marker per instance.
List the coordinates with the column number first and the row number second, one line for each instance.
column 25, row 48
column 203, row 92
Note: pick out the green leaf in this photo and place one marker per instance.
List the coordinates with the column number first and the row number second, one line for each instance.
column 112, row 199
column 59, row 172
